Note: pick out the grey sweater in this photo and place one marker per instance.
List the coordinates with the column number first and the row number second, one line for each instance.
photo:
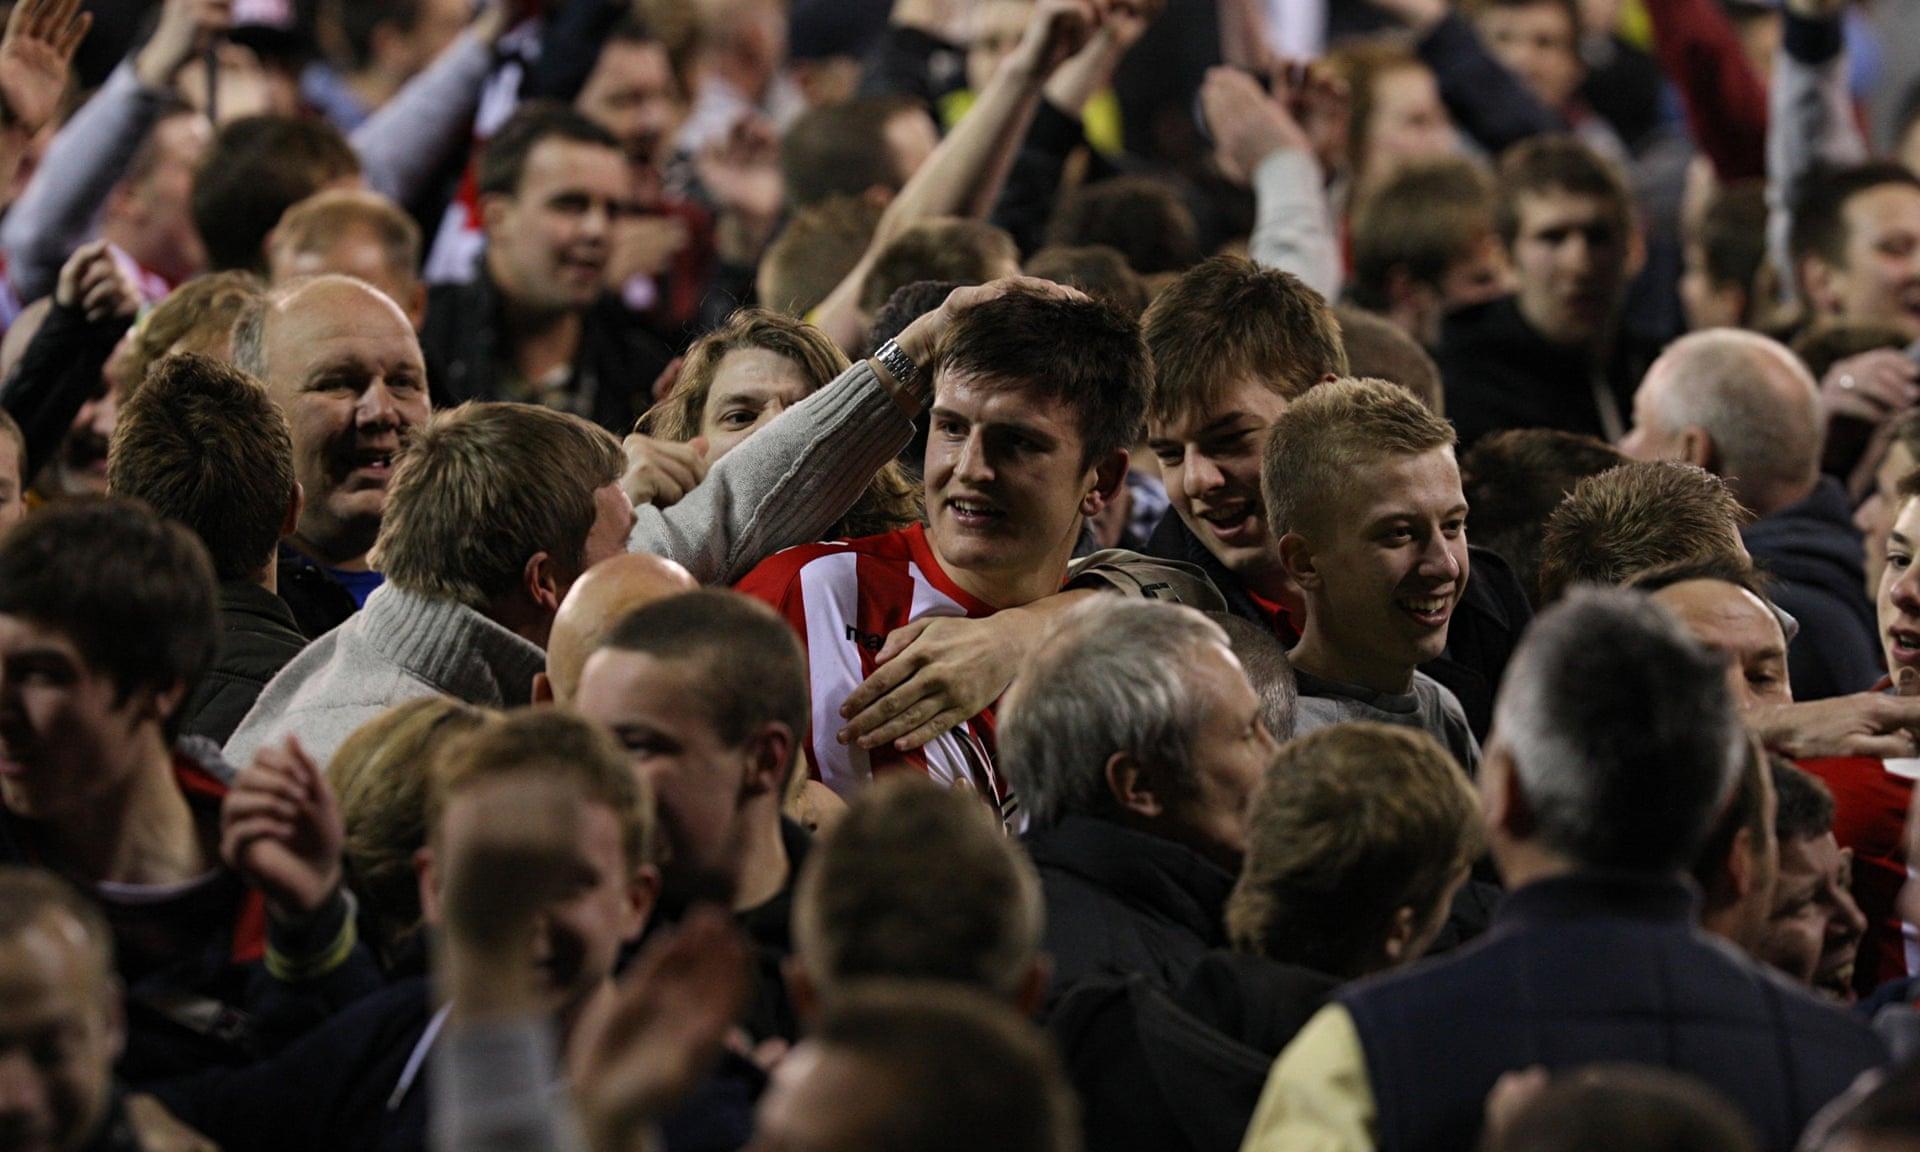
column 1431, row 706
column 400, row 647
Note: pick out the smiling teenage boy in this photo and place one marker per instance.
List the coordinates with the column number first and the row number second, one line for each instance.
column 1363, row 478
column 1036, row 398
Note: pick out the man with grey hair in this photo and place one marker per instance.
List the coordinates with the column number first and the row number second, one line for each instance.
column 1744, row 408
column 1616, row 745
column 1134, row 743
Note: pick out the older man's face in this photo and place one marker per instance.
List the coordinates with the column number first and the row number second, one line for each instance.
column 345, row 367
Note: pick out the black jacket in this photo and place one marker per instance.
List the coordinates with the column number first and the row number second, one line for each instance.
column 1817, row 559
column 1594, row 968
column 1182, row 1071
column 319, row 603
column 1122, row 902
column 258, row 636
column 1480, row 639
column 464, row 345
column 1499, row 373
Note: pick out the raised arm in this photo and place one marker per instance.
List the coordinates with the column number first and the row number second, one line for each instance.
column 1489, row 102
column 403, row 144
column 964, row 174
column 1726, row 104
column 1257, row 141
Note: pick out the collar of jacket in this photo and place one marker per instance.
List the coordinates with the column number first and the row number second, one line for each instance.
column 451, row 646
column 1594, row 894
column 1169, row 878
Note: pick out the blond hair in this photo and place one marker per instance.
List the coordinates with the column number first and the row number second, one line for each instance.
column 555, row 745
column 1352, row 824
column 1319, row 442
column 483, row 487
column 379, row 774
column 816, row 250
column 198, row 316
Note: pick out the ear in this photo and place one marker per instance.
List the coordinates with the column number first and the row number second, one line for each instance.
column 769, row 755
column 164, row 703
column 1296, row 557
column 1128, row 784
column 494, row 210
column 542, row 689
column 1407, row 296
column 541, row 582
column 1400, row 934
column 429, row 881
column 800, row 990
column 1105, row 481
column 1739, row 864
column 1032, row 994
column 1501, row 801
column 415, row 306
column 1817, row 285
column 1696, row 447
column 641, row 896
column 295, row 506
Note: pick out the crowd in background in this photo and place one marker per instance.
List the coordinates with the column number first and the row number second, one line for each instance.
column 959, row 575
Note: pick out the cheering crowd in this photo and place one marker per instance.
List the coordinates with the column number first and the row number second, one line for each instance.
column 959, row 575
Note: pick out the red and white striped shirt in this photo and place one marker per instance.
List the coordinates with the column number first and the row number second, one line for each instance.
column 843, row 599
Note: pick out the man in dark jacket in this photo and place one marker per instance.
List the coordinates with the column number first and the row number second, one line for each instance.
column 1744, row 407
column 1134, row 742
column 536, row 323
column 1618, row 745
column 202, row 444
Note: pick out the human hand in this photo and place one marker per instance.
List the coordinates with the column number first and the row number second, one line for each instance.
column 921, row 336
column 157, row 1130
column 663, row 1029
column 94, row 281
column 1871, row 386
column 1247, row 125
column 186, row 28
column 661, row 472
column 1057, row 30
column 1870, row 724
column 280, row 829
column 933, row 675
column 34, row 57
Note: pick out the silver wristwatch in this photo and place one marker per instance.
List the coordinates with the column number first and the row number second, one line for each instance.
column 904, row 370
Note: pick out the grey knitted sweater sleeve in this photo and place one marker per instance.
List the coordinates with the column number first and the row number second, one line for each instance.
column 786, row 485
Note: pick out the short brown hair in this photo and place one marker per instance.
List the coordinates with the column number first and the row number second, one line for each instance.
column 814, row 252
column 319, row 219
column 258, row 168
column 1379, row 349
column 199, row 314
column 380, row 775
column 1078, row 352
column 1229, row 318
column 1515, row 478
column 960, row 1071
column 1424, row 219
column 1548, row 164
column 962, row 251
column 1320, row 440
column 202, row 444
column 1362, row 64
column 1635, row 517
column 554, row 744
column 503, row 162
column 1351, row 824
column 841, row 150
column 1139, row 216
column 874, row 898
column 481, row 488
column 753, row 670
column 1099, row 270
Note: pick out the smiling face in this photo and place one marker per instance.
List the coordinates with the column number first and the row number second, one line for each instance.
column 1814, row 933
column 1383, row 568
column 1879, row 279
column 1210, row 463
column 750, row 387
column 548, row 243
column 1006, row 487
column 1899, row 598
column 345, row 367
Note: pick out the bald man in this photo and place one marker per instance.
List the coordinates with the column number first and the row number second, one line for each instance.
column 1744, row 408
column 599, row 600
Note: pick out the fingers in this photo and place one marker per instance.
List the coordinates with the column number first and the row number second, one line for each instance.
column 880, row 698
column 920, row 723
column 1897, row 746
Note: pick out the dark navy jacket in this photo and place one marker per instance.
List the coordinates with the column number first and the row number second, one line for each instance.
column 1815, row 555
column 1589, row 969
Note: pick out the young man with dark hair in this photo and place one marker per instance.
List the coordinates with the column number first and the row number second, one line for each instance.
column 203, row 445
column 866, row 148
column 537, row 322
column 1724, row 250
column 1424, row 244
column 1855, row 245
column 257, row 169
column 1553, row 354
column 707, row 693
column 107, row 624
column 1036, row 400
column 1364, row 479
